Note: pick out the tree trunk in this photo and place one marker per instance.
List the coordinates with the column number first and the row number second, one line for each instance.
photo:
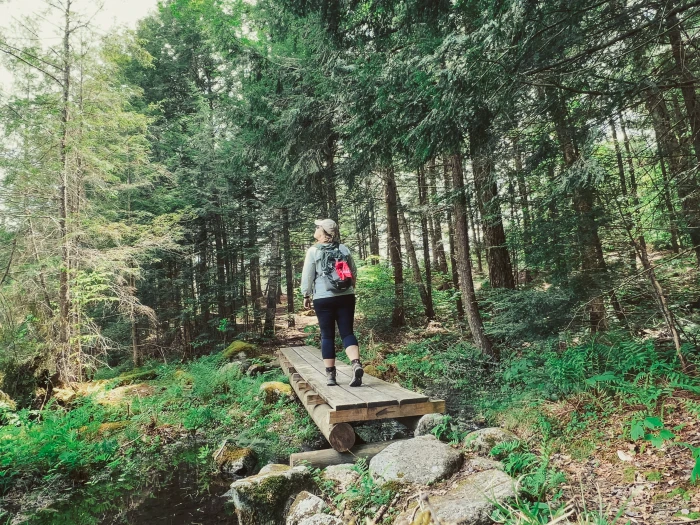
column 398, row 318
column 524, row 200
column 464, row 264
column 273, row 278
column 447, row 174
column 202, row 277
column 288, row 268
column 411, row 249
column 329, row 172
column 221, row 288
column 423, row 201
column 438, row 245
column 583, row 197
column 475, row 234
column 373, row 234
column 673, row 149
column 497, row 255
column 64, row 306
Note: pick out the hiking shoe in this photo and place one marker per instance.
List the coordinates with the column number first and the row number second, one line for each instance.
column 330, row 376
column 357, row 373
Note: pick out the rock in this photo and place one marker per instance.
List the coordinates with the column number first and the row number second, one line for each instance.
column 420, row 460
column 427, row 423
column 262, row 499
column 344, row 475
column 236, row 348
column 321, row 519
column 7, row 402
column 183, row 377
column 134, row 376
column 235, row 463
column 308, row 313
column 305, row 505
column 256, row 369
column 471, row 501
column 122, row 393
column 483, row 440
column 64, row 395
column 478, row 463
column 273, row 467
column 273, row 391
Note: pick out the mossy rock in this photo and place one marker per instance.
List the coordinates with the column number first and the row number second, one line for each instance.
column 273, row 391
column 137, row 376
column 6, row 401
column 234, row 462
column 124, row 393
column 483, row 440
column 183, row 377
column 264, row 498
column 106, row 429
column 234, row 349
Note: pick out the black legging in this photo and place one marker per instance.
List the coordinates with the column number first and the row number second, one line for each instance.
column 331, row 310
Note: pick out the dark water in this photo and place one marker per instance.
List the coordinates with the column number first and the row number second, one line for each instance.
column 177, row 503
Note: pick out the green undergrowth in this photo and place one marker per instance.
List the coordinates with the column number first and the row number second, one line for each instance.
column 180, row 416
column 559, row 399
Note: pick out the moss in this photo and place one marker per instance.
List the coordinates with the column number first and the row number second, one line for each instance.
column 143, row 375
column 235, row 348
column 274, row 390
column 372, row 370
column 183, row 377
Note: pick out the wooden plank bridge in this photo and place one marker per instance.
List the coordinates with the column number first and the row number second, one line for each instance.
column 333, row 408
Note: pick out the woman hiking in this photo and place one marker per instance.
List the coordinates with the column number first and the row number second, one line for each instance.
column 329, row 276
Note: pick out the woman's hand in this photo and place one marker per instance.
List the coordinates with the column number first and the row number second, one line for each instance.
column 307, row 302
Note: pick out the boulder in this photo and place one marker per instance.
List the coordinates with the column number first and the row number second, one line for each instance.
column 321, row 519
column 420, row 460
column 7, row 402
column 273, row 391
column 235, row 349
column 257, row 369
column 263, row 498
column 427, row 423
column 479, row 463
column 124, row 393
column 470, row 501
column 235, row 463
column 483, row 440
column 305, row 505
column 343, row 475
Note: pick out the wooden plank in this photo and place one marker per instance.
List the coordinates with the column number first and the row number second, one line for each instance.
column 325, row 458
column 338, row 399
column 369, row 395
column 386, row 412
column 400, row 394
column 341, row 436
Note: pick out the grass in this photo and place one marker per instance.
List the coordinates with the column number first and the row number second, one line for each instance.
column 194, row 407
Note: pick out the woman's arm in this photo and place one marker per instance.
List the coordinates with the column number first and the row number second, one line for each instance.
column 308, row 274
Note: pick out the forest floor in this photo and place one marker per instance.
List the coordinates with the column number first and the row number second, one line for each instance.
column 606, row 473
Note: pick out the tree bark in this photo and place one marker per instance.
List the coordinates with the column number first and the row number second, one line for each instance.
column 447, row 174
column 273, row 278
column 524, row 198
column 497, row 255
column 64, row 306
column 438, row 245
column 398, row 317
column 411, row 249
column 673, row 149
column 288, row 267
column 464, row 264
column 423, row 202
column 583, row 197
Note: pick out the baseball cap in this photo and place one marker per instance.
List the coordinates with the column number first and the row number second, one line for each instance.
column 329, row 225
